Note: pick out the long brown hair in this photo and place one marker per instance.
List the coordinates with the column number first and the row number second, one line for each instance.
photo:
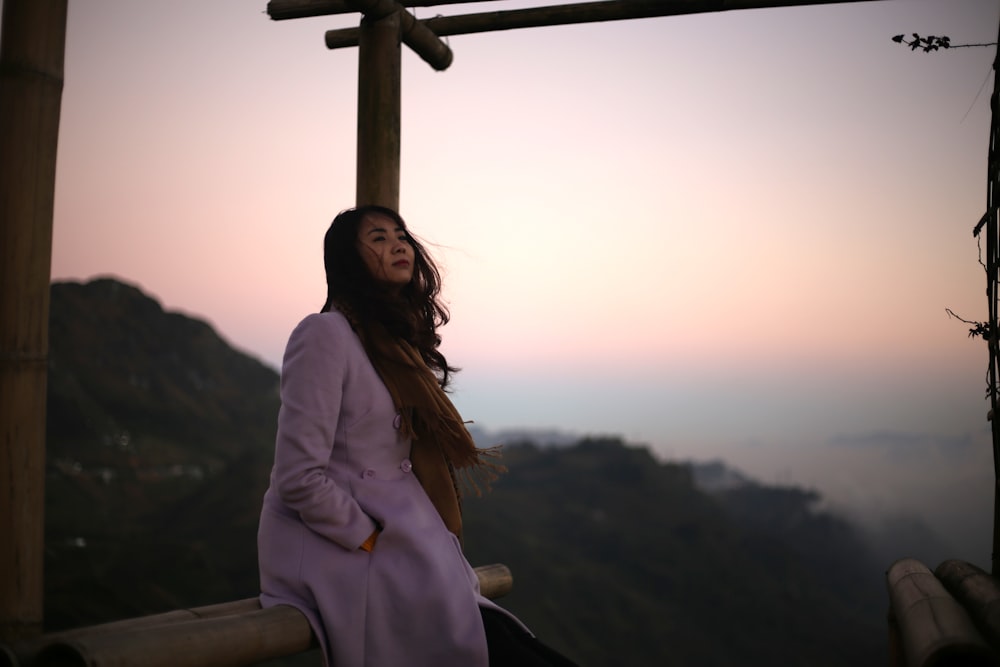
column 413, row 312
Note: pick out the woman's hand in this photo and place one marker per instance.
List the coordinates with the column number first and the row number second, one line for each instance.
column 369, row 544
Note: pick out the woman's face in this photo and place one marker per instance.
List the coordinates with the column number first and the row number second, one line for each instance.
column 385, row 249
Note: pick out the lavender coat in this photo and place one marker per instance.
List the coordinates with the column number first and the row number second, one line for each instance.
column 340, row 466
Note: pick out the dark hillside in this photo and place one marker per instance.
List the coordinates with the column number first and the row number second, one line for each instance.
column 124, row 370
column 160, row 439
column 616, row 554
column 147, row 410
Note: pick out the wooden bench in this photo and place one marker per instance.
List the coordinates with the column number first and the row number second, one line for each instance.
column 229, row 634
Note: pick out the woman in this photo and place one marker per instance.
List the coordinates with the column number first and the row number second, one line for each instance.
column 361, row 525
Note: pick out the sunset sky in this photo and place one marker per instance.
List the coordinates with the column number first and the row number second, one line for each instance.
column 722, row 235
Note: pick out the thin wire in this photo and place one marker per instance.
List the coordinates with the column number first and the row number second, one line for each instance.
column 985, row 81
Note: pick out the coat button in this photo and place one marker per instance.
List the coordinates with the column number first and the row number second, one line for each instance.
column 406, row 466
column 368, row 474
column 397, row 421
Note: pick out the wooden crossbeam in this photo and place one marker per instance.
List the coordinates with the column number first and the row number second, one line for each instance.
column 281, row 10
column 584, row 12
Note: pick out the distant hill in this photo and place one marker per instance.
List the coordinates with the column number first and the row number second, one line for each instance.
column 615, row 555
column 160, row 440
column 147, row 410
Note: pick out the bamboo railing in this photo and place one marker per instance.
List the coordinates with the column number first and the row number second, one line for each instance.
column 230, row 634
column 941, row 618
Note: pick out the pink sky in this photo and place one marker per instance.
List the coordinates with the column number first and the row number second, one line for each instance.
column 716, row 234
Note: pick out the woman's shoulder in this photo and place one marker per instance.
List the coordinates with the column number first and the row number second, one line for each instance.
column 321, row 339
column 331, row 320
column 330, row 327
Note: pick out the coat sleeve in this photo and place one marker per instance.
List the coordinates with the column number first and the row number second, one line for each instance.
column 312, row 382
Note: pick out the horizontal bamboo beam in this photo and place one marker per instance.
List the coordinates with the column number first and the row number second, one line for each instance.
column 225, row 641
column 977, row 591
column 933, row 627
column 584, row 12
column 24, row 652
column 495, row 581
column 281, row 10
column 219, row 635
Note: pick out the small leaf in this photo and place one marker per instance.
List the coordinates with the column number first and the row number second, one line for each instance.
column 897, row 39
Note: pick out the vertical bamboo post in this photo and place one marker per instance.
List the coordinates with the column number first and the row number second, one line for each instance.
column 32, row 50
column 379, row 111
column 993, row 341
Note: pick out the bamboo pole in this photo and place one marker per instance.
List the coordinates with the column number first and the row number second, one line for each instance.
column 32, row 50
column 24, row 652
column 230, row 633
column 978, row 593
column 495, row 581
column 992, row 268
column 585, row 12
column 224, row 641
column 933, row 627
column 281, row 10
column 379, row 81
